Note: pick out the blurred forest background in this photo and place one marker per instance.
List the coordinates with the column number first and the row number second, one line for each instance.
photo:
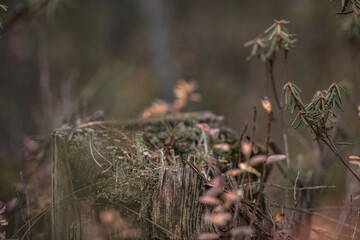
column 75, row 57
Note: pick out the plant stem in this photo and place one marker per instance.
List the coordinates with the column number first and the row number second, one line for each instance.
column 333, row 148
column 262, row 182
column 279, row 103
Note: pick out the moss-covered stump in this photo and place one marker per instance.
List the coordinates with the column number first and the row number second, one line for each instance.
column 139, row 169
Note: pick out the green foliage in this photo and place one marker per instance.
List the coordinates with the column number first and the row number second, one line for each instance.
column 351, row 26
column 319, row 114
column 354, row 5
column 277, row 37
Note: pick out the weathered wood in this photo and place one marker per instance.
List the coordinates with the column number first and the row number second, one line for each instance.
column 69, row 213
column 91, row 174
column 176, row 205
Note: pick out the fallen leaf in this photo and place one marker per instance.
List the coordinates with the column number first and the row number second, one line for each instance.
column 208, row 236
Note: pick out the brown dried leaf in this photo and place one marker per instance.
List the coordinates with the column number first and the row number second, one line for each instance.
column 355, row 163
column 220, row 219
column 275, row 158
column 214, row 191
column 203, row 126
column 218, row 181
column 209, row 200
column 279, row 217
column 265, row 102
column 157, row 108
column 214, row 133
column 3, row 222
column 247, row 168
column 3, row 209
column 234, row 195
column 222, row 147
column 246, row 149
column 234, row 172
column 257, row 159
column 183, row 89
column 208, row 236
column 357, row 197
column 243, row 230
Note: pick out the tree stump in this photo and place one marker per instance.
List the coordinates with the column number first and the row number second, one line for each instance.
column 137, row 170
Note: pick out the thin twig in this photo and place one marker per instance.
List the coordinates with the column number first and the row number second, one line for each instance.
column 300, row 188
column 240, row 140
column 295, row 200
column 318, row 215
column 261, row 188
column 92, row 153
column 333, row 148
column 27, row 201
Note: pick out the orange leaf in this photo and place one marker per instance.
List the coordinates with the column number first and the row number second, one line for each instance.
column 266, row 104
column 279, row 217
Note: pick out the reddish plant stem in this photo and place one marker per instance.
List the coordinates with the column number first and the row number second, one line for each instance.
column 261, row 188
